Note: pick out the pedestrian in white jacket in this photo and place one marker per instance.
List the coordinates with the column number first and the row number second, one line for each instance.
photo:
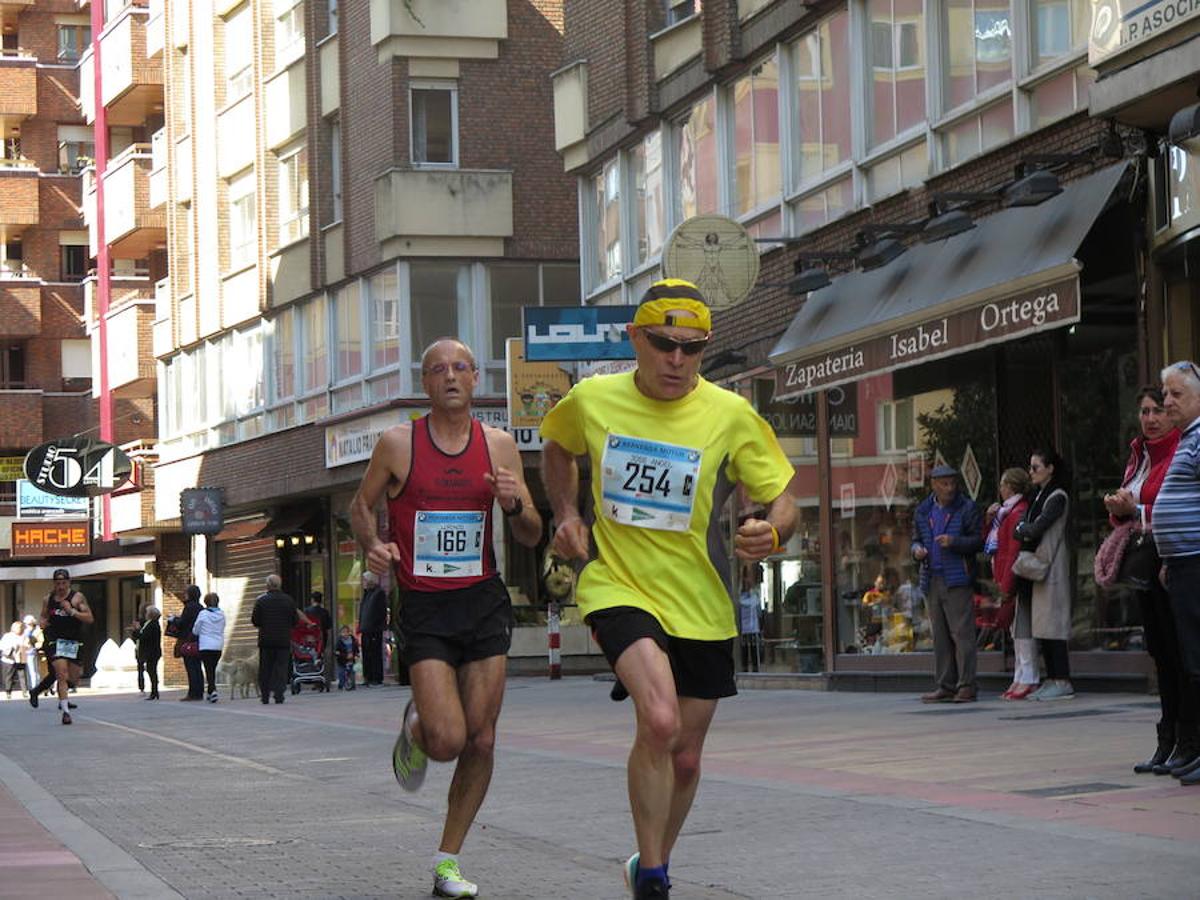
column 210, row 635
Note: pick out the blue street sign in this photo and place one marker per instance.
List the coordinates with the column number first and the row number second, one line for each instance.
column 576, row 333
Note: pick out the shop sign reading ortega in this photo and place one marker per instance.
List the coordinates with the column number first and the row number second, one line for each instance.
column 77, row 467
column 978, row 325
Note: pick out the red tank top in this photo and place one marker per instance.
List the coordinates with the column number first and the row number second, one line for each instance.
column 442, row 518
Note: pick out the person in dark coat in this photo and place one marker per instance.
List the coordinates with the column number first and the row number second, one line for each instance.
column 318, row 613
column 372, row 619
column 191, row 664
column 274, row 615
column 947, row 533
column 149, row 648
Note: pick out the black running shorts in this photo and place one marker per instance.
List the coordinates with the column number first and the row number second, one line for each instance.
column 702, row 669
column 458, row 626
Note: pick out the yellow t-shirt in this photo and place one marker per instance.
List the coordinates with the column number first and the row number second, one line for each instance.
column 661, row 472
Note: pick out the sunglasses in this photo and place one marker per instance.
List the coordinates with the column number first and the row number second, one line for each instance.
column 669, row 345
column 1186, row 366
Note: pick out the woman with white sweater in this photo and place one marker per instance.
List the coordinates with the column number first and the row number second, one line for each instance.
column 210, row 634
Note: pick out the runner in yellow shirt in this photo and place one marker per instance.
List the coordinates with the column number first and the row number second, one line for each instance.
column 666, row 449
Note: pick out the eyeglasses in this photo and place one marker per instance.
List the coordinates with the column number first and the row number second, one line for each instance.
column 442, row 368
column 1186, row 366
column 665, row 344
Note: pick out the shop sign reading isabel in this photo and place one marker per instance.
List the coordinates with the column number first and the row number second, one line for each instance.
column 953, row 332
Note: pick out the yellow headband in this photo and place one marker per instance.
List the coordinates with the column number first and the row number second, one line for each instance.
column 674, row 301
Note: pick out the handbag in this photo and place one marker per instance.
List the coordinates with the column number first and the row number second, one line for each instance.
column 172, row 627
column 1030, row 566
column 188, row 648
column 1141, row 562
column 1110, row 558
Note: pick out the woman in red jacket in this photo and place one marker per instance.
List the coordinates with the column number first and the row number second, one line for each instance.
column 1149, row 458
column 1003, row 546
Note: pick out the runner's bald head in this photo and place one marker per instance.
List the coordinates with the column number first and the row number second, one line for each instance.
column 433, row 348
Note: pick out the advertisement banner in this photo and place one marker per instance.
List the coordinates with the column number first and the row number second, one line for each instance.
column 12, row 468
column 353, row 441
column 64, row 538
column 573, row 333
column 1120, row 25
column 34, row 503
column 533, row 388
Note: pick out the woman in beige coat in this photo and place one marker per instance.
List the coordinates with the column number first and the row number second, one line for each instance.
column 1043, row 531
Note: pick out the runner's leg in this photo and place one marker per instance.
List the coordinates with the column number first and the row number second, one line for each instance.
column 695, row 716
column 646, row 671
column 481, row 687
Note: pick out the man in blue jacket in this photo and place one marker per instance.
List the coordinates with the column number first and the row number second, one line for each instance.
column 947, row 534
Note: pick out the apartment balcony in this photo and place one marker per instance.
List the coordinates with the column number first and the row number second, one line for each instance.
column 21, row 418
column 19, row 203
column 156, row 30
column 570, row 113
column 439, row 212
column 127, row 283
column 437, row 29
column 131, row 367
column 163, row 335
column 676, row 46
column 132, row 82
column 131, row 226
column 20, row 308
column 18, row 85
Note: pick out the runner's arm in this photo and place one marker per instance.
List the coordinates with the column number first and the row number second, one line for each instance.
column 508, row 484
column 82, row 612
column 560, row 475
column 755, row 538
column 389, row 461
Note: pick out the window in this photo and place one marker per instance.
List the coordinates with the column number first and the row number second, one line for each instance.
column 73, row 262
column 650, row 214
column 607, row 193
column 979, row 133
column 283, row 347
column 896, row 425
column 897, row 90
column 314, row 368
column 755, row 100
column 679, row 10
column 434, row 124
column 183, row 97
column 76, row 148
column 348, row 334
column 242, row 218
column 1060, row 27
column 696, row 160
column 72, row 41
column 191, row 390
column 333, row 17
column 384, row 288
column 441, row 299
column 821, row 60
column 12, row 365
column 293, row 195
column 511, row 287
column 246, row 371
column 1060, row 95
column 905, row 169
column 12, row 259
column 335, row 168
column 239, row 54
column 977, row 43
column 823, row 206
column 289, row 31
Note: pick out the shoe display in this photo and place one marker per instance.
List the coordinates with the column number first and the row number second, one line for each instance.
column 408, row 760
column 448, row 881
column 630, row 872
column 965, row 695
column 941, row 695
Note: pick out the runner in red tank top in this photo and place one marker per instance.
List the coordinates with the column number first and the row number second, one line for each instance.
column 441, row 476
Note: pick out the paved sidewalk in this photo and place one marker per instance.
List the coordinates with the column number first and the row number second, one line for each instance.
column 805, row 794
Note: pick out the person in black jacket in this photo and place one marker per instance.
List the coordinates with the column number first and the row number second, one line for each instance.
column 191, row 664
column 372, row 619
column 318, row 613
column 149, row 648
column 274, row 615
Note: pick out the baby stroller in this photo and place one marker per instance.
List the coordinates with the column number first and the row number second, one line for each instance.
column 308, row 657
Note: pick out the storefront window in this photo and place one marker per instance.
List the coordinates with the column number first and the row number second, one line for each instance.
column 755, row 101
column 696, row 158
column 897, row 73
column 821, row 60
column 907, row 421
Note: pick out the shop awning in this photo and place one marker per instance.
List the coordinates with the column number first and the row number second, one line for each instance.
column 1012, row 275
column 289, row 520
column 246, row 528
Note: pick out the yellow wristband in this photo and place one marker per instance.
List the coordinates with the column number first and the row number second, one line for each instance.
column 777, row 547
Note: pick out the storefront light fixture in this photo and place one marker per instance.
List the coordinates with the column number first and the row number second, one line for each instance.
column 309, row 538
column 1184, row 130
column 877, row 254
column 1031, row 189
column 295, row 540
column 280, row 542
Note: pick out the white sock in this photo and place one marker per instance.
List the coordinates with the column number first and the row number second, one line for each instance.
column 62, row 705
column 440, row 857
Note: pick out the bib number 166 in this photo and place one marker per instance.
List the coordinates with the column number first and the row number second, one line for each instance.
column 455, row 540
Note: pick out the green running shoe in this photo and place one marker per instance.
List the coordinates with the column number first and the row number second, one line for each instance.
column 630, row 870
column 409, row 761
column 448, row 881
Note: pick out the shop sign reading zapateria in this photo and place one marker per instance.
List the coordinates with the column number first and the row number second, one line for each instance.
column 954, row 332
column 1119, row 25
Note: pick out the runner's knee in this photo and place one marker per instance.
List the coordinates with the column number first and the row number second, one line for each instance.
column 442, row 742
column 686, row 763
column 658, row 726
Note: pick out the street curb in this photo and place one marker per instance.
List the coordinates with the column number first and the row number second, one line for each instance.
column 105, row 861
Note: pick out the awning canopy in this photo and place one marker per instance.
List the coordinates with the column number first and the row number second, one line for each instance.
column 1015, row 273
column 246, row 528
